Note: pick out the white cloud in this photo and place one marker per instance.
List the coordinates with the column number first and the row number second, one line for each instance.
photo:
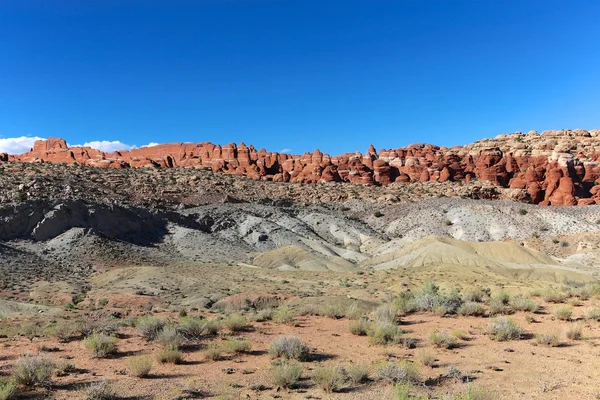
column 17, row 145
column 285, row 151
column 108, row 146
column 151, row 144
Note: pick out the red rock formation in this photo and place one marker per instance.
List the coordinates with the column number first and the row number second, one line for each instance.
column 554, row 168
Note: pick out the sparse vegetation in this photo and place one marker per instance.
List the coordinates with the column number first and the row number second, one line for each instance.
column 471, row 308
column 150, row 327
column 442, row 339
column 235, row 323
column 33, row 371
column 357, row 373
column 169, row 354
column 286, row 374
column 102, row 390
column 8, row 389
column 101, row 345
column 547, row 339
column 283, row 315
column 502, row 328
column 289, row 347
column 563, row 313
column 140, row 366
column 574, row 332
column 399, row 372
column 328, row 377
column 427, row 358
column 359, row 327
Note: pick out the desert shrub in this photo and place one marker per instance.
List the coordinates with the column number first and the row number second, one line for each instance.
column 265, row 314
column 554, row 296
column 427, row 358
column 476, row 295
column 333, row 310
column 501, row 297
column 354, row 311
column 357, row 373
column 592, row 313
column 385, row 313
column 8, row 389
column 430, row 299
column 563, row 313
column 103, row 325
column 33, row 370
column 286, row 375
column 521, row 303
column 212, row 327
column 170, row 337
column 140, row 366
column 236, row 346
column 65, row 331
column 359, row 327
column 547, row 339
column 169, row 354
column 213, row 353
column 404, row 303
column 289, row 347
column 191, row 328
column 442, row 339
column 235, row 322
column 471, row 308
column 404, row 391
column 384, row 333
column 101, row 390
column 101, row 345
column 328, row 377
column 502, row 328
column 150, row 327
column 399, row 372
column 474, row 393
column 283, row 315
column 499, row 307
column 574, row 332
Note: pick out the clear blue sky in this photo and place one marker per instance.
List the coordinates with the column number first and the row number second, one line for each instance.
column 297, row 74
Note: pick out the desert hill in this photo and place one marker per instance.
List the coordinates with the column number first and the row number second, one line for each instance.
column 551, row 168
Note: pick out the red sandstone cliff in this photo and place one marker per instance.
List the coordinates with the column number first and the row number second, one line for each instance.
column 552, row 168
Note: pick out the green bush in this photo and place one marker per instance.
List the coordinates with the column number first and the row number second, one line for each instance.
column 213, row 353
column 150, row 327
column 359, row 327
column 235, row 322
column 474, row 393
column 101, row 390
column 547, row 339
column 236, row 346
column 101, row 345
column 502, row 329
column 33, row 370
column 289, row 347
column 471, row 308
column 563, row 313
column 170, row 337
column 283, row 315
column 140, row 366
column 286, row 375
column 521, row 303
column 384, row 333
column 399, row 372
column 592, row 313
column 8, row 389
column 443, row 339
column 357, row 373
column 191, row 328
column 554, row 296
column 328, row 377
column 169, row 354
column 212, row 327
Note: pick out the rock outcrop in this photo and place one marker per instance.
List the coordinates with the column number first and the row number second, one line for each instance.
column 551, row 168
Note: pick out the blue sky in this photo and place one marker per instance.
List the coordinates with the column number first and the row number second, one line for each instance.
column 296, row 74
